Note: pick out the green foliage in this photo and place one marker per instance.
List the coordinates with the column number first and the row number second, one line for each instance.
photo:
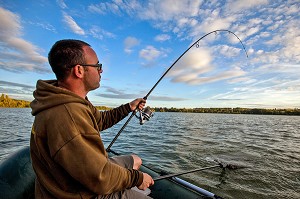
column 6, row 101
column 103, row 108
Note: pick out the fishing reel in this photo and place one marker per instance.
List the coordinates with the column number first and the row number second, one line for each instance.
column 145, row 115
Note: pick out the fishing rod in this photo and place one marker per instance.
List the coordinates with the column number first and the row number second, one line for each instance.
column 196, row 43
column 220, row 164
column 184, row 172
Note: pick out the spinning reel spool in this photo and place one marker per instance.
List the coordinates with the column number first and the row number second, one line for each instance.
column 145, row 115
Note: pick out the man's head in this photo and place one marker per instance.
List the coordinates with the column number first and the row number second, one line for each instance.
column 64, row 54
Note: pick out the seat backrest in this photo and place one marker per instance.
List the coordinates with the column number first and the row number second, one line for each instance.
column 17, row 176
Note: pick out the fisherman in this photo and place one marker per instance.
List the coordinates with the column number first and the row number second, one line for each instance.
column 68, row 155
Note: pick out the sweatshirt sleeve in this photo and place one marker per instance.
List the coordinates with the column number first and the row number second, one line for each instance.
column 82, row 154
column 106, row 119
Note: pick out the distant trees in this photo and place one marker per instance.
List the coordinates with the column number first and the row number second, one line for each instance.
column 103, row 108
column 258, row 111
column 6, row 101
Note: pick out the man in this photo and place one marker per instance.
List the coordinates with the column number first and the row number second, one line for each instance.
column 68, row 155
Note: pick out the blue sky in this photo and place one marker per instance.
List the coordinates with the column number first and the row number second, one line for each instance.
column 137, row 41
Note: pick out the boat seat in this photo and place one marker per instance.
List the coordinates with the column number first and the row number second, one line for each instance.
column 17, row 176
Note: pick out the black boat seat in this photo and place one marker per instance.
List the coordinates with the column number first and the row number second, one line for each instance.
column 17, row 176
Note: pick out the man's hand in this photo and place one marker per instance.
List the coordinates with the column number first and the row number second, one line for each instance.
column 147, row 182
column 137, row 103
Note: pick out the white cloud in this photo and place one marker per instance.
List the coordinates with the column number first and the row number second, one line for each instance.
column 293, row 9
column 44, row 25
column 162, row 37
column 100, row 8
column 245, row 80
column 150, row 53
column 120, row 94
column 16, row 53
column 211, row 24
column 280, row 68
column 267, row 93
column 183, row 22
column 242, row 5
column 129, row 43
column 169, row 9
column 10, row 23
column 284, row 45
column 260, row 52
column 71, row 23
column 194, row 79
column 265, row 34
column 252, row 31
column 250, row 51
column 99, row 33
column 61, row 4
column 149, row 10
column 195, row 68
column 228, row 51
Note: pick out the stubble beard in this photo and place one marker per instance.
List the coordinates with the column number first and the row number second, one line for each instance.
column 91, row 86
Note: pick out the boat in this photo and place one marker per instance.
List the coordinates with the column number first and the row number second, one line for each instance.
column 17, row 181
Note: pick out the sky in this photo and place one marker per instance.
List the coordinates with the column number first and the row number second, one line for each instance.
column 138, row 41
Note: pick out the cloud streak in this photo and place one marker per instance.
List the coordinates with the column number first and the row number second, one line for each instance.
column 113, row 93
column 17, row 54
column 21, row 91
column 71, row 23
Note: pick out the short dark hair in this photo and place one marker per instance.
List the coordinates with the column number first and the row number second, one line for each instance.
column 64, row 54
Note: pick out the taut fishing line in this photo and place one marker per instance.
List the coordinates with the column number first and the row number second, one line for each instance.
column 197, row 45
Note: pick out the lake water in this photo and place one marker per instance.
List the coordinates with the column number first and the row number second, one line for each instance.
column 269, row 147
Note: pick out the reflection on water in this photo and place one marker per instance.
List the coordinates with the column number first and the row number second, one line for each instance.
column 268, row 145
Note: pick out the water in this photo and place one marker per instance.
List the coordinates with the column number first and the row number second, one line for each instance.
column 268, row 145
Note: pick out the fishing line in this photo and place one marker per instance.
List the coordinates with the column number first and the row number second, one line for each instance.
column 196, row 43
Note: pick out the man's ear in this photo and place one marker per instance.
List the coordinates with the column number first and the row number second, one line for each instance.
column 78, row 71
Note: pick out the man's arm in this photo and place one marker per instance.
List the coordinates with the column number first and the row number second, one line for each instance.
column 106, row 119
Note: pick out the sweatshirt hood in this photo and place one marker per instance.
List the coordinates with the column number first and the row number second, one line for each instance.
column 48, row 95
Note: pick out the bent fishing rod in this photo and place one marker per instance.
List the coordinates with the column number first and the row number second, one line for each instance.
column 196, row 43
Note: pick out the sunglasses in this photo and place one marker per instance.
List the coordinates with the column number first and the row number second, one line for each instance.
column 98, row 66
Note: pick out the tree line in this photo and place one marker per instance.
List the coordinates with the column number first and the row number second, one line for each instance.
column 6, row 101
column 238, row 110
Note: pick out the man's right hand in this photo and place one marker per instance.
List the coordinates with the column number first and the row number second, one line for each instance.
column 147, row 182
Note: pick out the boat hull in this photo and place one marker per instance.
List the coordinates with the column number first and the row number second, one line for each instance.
column 17, row 181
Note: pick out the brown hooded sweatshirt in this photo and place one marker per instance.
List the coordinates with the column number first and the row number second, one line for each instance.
column 68, row 155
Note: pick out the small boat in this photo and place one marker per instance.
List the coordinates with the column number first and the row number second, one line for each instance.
column 17, row 181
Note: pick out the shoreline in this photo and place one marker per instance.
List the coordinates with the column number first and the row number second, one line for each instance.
column 7, row 102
